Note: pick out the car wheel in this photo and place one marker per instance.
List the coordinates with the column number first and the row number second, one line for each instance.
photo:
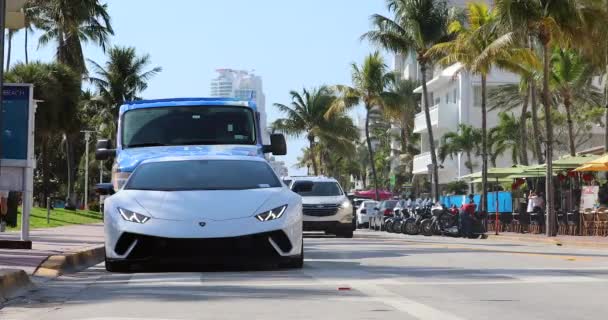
column 345, row 234
column 117, row 266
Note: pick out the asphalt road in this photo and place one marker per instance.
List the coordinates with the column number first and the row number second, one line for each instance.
column 373, row 276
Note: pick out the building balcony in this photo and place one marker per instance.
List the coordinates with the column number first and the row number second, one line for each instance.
column 421, row 163
column 420, row 120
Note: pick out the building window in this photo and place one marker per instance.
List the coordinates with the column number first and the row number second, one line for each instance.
column 455, row 95
column 447, row 98
column 477, row 96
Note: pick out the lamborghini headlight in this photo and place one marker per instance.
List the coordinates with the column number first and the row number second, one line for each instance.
column 273, row 214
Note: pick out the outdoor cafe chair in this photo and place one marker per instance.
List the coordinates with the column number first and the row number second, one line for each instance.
column 601, row 224
column 587, row 222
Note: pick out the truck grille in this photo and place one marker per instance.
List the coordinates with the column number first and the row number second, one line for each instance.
column 320, row 210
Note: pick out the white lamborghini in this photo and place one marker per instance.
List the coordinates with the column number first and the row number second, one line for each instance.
column 202, row 209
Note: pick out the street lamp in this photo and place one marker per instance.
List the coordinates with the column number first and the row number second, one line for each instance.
column 87, row 139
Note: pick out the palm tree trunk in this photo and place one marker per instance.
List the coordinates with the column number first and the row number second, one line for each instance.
column 484, row 146
column 537, row 142
column 9, row 49
column 311, row 148
column 523, row 149
column 427, row 116
column 549, row 144
column 469, row 164
column 568, row 106
column 371, row 152
column 27, row 59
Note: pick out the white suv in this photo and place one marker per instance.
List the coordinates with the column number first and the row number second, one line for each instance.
column 325, row 205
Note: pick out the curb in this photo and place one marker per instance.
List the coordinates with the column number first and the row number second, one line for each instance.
column 553, row 241
column 57, row 265
column 13, row 283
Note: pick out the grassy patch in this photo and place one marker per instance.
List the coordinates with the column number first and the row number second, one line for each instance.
column 59, row 217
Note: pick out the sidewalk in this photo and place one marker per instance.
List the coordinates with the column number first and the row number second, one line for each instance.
column 49, row 242
column 575, row 241
column 55, row 251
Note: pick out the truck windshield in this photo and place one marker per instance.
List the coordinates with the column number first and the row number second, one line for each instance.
column 191, row 125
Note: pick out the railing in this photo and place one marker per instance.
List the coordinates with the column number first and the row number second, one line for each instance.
column 421, row 163
column 420, row 120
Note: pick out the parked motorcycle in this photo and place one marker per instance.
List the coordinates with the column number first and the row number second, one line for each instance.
column 411, row 225
column 446, row 222
column 394, row 223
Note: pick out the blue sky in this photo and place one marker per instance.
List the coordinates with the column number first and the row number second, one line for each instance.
column 291, row 44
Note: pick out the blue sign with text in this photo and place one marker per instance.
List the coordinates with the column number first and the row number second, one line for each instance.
column 14, row 126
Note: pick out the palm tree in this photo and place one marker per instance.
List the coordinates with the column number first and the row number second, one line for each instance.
column 571, row 76
column 417, row 26
column 551, row 22
column 479, row 47
column 370, row 83
column 9, row 49
column 466, row 140
column 506, row 136
column 307, row 115
column 70, row 23
column 123, row 77
column 404, row 112
column 510, row 96
column 51, row 122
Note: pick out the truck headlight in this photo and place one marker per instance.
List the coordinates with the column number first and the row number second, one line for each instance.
column 271, row 214
column 131, row 216
column 119, row 179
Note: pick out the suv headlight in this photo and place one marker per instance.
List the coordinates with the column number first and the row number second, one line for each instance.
column 119, row 179
column 131, row 216
column 345, row 204
column 271, row 214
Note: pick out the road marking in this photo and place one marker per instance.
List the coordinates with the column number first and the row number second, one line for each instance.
column 400, row 303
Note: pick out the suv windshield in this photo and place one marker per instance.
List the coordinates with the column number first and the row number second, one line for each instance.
column 319, row 189
column 203, row 175
column 190, row 125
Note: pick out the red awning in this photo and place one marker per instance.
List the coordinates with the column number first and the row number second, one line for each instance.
column 371, row 194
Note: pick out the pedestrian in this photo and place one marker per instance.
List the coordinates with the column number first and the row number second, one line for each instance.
column 467, row 214
column 531, row 202
column 3, row 209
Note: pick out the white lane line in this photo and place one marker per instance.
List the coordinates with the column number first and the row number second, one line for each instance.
column 400, row 303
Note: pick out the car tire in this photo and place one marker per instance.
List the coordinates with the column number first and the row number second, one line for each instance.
column 117, row 266
column 348, row 234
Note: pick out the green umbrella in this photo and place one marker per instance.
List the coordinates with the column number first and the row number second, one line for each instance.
column 494, row 173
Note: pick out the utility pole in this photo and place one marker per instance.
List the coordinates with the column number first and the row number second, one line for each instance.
column 87, row 138
column 2, row 25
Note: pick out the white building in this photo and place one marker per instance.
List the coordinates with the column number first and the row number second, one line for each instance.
column 455, row 98
column 242, row 85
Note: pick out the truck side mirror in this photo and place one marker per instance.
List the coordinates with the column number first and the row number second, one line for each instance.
column 104, row 189
column 278, row 146
column 103, row 150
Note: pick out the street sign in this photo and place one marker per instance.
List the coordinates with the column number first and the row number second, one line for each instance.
column 17, row 160
column 15, row 122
